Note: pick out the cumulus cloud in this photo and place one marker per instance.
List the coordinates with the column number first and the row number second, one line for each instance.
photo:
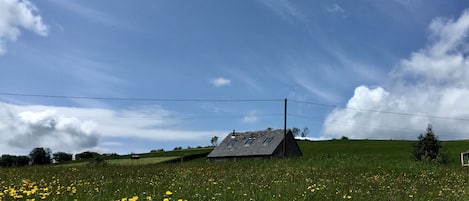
column 24, row 127
column 220, row 82
column 428, row 87
column 16, row 14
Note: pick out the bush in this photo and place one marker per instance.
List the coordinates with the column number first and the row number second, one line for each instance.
column 60, row 157
column 97, row 161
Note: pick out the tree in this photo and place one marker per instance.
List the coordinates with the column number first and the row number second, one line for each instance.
column 22, row 160
column 86, row 155
column 428, row 148
column 60, row 157
column 305, row 132
column 40, row 156
column 214, row 141
column 7, row 161
column 13, row 161
column 295, row 131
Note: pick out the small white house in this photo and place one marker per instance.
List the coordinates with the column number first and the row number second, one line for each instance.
column 465, row 158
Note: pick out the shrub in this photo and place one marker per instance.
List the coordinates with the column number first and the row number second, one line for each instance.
column 97, row 161
column 429, row 149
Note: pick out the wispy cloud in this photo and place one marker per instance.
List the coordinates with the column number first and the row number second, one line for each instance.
column 334, row 8
column 430, row 84
column 285, row 9
column 89, row 13
column 321, row 91
column 220, row 82
column 15, row 15
column 251, row 117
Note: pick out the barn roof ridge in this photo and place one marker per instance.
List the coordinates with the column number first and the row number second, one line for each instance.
column 251, row 144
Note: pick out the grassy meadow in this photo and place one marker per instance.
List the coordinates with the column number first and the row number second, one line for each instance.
column 329, row 170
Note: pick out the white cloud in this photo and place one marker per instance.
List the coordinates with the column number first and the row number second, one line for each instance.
column 428, row 87
column 334, row 8
column 250, row 118
column 16, row 14
column 24, row 127
column 220, row 82
column 28, row 127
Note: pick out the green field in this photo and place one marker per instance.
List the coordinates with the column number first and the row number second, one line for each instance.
column 142, row 161
column 329, row 170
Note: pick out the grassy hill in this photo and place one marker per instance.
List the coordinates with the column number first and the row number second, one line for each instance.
column 329, row 170
column 385, row 150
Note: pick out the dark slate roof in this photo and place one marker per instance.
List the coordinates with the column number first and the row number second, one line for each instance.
column 236, row 144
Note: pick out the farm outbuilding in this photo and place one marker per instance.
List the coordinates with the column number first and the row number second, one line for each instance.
column 257, row 145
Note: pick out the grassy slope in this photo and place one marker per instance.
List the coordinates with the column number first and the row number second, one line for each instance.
column 393, row 150
column 329, row 170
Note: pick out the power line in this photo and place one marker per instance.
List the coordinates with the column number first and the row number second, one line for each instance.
column 367, row 126
column 139, row 99
column 382, row 111
column 228, row 100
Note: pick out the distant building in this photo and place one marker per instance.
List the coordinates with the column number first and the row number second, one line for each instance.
column 259, row 144
column 465, row 158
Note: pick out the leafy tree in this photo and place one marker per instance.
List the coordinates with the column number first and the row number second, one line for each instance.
column 22, row 160
column 344, row 138
column 13, row 161
column 428, row 148
column 86, row 155
column 295, row 131
column 305, row 132
column 7, row 161
column 40, row 156
column 214, row 141
column 60, row 157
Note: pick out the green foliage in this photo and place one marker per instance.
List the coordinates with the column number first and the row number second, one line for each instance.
column 305, row 132
column 295, row 131
column 214, row 141
column 13, row 161
column 60, row 157
column 429, row 148
column 344, row 138
column 40, row 156
column 97, row 161
column 86, row 155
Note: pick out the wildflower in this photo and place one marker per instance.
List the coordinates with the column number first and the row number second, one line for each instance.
column 168, row 193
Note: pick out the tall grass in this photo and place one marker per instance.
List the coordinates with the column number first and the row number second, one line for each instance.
column 334, row 170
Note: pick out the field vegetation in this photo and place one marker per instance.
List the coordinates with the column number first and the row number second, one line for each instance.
column 329, row 170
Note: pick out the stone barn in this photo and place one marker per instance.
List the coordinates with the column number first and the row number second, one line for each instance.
column 257, row 145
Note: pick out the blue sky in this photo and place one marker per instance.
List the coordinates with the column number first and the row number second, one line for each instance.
column 406, row 58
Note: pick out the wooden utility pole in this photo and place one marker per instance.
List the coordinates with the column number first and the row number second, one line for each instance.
column 285, row 129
